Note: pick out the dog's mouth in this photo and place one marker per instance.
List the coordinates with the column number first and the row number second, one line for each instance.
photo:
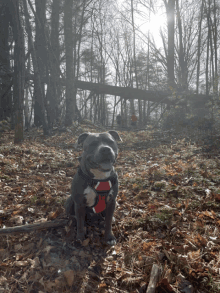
column 105, row 166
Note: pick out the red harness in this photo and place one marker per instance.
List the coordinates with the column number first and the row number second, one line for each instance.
column 102, row 189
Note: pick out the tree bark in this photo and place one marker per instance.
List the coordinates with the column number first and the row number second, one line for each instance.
column 182, row 58
column 70, row 88
column 5, row 93
column 199, row 47
column 54, row 90
column 39, row 109
column 215, row 41
column 41, row 56
column 19, row 68
column 170, row 5
column 207, row 50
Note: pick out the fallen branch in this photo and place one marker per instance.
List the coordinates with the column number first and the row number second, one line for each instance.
column 32, row 227
column 154, row 278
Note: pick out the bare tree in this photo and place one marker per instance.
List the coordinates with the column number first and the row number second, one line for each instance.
column 5, row 87
column 53, row 72
column 199, row 46
column 38, row 59
column 68, row 34
column 19, row 68
column 170, row 8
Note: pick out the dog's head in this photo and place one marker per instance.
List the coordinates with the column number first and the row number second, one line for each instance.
column 100, row 151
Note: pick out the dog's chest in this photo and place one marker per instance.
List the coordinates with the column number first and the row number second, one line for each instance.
column 95, row 195
column 90, row 196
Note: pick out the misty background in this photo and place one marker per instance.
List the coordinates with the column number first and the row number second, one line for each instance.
column 59, row 57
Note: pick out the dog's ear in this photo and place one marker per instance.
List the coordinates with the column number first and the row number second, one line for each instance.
column 81, row 139
column 115, row 135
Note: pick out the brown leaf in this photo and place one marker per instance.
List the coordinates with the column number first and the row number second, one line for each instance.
column 102, row 285
column 69, row 276
column 200, row 240
column 85, row 242
column 21, row 263
column 165, row 286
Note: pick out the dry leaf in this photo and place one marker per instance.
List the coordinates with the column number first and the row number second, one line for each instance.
column 102, row 285
column 85, row 242
column 21, row 263
column 69, row 276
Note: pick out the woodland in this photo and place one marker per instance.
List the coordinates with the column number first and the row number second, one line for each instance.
column 69, row 67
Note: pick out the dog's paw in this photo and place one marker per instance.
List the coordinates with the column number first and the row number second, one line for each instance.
column 111, row 242
column 110, row 239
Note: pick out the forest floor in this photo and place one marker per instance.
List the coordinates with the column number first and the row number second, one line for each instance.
column 168, row 215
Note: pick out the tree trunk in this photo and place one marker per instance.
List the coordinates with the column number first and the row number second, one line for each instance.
column 39, row 109
column 26, row 101
column 40, row 47
column 135, row 62
column 182, row 58
column 199, row 48
column 5, row 88
column 215, row 40
column 19, row 69
column 70, row 88
column 54, row 90
column 207, row 51
column 170, row 5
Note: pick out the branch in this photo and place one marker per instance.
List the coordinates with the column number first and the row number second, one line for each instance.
column 32, row 227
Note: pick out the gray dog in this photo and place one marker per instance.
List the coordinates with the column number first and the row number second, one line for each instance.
column 95, row 185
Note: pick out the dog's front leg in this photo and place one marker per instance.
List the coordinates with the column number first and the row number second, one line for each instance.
column 80, row 218
column 109, row 237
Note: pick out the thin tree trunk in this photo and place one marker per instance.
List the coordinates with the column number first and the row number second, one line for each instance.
column 170, row 5
column 53, row 89
column 19, row 69
column 207, row 52
column 41, row 54
column 182, row 61
column 38, row 90
column 70, row 88
column 5, row 93
column 199, row 48
column 215, row 40
column 26, row 102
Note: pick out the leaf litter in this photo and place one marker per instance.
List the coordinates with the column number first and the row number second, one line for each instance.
column 167, row 214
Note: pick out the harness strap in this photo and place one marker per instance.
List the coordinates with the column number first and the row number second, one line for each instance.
column 101, row 187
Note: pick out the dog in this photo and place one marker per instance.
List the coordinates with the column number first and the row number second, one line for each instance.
column 95, row 185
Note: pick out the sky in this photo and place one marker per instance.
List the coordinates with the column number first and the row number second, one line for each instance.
column 144, row 21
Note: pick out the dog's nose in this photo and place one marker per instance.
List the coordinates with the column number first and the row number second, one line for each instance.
column 105, row 150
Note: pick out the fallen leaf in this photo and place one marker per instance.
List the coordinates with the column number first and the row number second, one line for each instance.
column 69, row 276
column 85, row 242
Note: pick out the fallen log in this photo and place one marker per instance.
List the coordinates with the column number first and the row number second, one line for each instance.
column 32, row 227
column 126, row 92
